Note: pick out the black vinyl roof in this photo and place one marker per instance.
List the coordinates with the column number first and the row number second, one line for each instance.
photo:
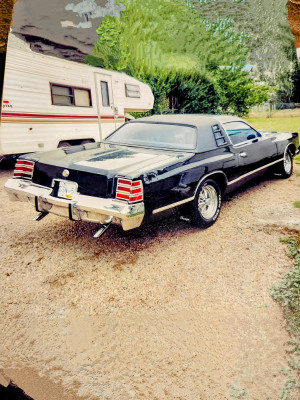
column 202, row 122
column 198, row 120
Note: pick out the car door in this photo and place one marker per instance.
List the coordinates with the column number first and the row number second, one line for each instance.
column 252, row 150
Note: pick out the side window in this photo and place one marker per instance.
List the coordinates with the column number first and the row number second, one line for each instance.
column 70, row 96
column 105, row 94
column 218, row 134
column 132, row 91
column 240, row 132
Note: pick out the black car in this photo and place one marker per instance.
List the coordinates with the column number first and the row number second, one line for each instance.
column 150, row 165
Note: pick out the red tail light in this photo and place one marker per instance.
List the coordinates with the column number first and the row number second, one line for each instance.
column 132, row 191
column 24, row 169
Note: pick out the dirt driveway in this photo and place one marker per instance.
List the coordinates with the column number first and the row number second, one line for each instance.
column 166, row 312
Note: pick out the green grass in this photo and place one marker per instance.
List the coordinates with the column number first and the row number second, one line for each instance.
column 276, row 114
column 291, row 124
column 297, row 204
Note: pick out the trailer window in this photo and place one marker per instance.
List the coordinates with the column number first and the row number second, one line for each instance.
column 70, row 96
column 82, row 97
column 132, row 90
column 105, row 94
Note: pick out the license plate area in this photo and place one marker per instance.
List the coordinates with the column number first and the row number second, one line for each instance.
column 66, row 189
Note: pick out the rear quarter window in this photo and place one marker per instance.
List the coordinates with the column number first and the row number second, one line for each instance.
column 219, row 136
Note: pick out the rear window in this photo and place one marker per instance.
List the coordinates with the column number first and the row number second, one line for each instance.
column 156, row 135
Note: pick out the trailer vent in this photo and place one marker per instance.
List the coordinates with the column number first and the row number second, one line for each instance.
column 132, row 91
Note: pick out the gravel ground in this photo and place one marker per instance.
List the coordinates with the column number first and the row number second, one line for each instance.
column 165, row 312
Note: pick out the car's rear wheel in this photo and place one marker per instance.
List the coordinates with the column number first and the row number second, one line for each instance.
column 206, row 206
column 286, row 166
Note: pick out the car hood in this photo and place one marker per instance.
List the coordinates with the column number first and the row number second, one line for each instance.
column 110, row 159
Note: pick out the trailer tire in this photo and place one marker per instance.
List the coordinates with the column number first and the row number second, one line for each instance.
column 63, row 144
column 85, row 141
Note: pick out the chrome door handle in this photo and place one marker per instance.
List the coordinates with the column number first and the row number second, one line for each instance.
column 243, row 154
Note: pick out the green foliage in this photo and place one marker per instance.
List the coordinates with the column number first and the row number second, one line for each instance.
column 179, row 54
column 267, row 36
column 277, row 124
column 295, row 77
column 193, row 94
column 290, row 387
column 287, row 291
column 166, row 36
column 238, row 93
column 265, row 26
column 297, row 204
column 237, row 393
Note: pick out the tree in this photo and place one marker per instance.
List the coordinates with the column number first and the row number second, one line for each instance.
column 296, row 82
column 169, row 45
column 238, row 93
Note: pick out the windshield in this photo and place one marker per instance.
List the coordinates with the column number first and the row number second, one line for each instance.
column 172, row 136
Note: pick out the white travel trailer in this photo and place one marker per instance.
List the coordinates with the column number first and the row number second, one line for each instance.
column 50, row 102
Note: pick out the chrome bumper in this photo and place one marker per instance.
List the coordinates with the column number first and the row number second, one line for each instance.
column 81, row 208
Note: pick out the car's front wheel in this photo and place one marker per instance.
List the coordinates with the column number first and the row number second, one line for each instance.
column 206, row 205
column 286, row 165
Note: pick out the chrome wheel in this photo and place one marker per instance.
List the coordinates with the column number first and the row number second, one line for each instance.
column 208, row 202
column 287, row 162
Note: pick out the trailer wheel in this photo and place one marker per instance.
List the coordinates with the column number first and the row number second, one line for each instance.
column 85, row 141
column 64, row 144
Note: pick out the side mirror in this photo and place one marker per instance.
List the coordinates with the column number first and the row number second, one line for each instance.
column 251, row 136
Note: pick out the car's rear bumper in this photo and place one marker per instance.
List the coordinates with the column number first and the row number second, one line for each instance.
column 85, row 208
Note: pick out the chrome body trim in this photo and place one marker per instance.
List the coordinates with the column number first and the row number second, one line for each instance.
column 81, row 207
column 227, row 183
column 205, row 176
column 178, row 203
column 254, row 171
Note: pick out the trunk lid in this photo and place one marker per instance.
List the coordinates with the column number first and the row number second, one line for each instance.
column 94, row 166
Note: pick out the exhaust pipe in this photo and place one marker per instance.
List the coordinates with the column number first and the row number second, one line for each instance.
column 103, row 228
column 40, row 216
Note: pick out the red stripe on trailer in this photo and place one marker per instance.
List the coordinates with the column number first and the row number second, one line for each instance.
column 29, row 115
column 26, row 115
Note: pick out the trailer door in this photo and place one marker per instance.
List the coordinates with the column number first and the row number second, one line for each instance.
column 105, row 104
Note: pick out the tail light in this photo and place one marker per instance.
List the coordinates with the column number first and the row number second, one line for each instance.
column 132, row 191
column 24, row 169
